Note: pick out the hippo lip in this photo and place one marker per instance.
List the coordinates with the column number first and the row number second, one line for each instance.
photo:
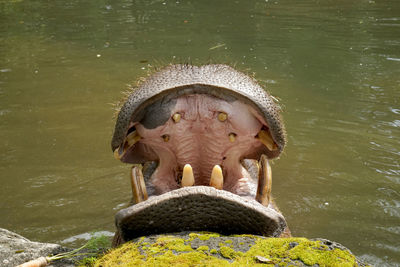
column 197, row 125
column 199, row 208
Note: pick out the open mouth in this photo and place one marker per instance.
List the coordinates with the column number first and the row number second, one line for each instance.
column 201, row 139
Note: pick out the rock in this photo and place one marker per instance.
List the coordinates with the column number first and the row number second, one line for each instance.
column 186, row 249
column 16, row 249
column 213, row 249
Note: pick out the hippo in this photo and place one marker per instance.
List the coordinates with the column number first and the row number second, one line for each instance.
column 200, row 139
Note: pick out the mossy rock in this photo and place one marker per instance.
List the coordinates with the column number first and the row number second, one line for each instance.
column 210, row 249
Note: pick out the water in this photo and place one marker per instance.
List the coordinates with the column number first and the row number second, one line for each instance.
column 334, row 65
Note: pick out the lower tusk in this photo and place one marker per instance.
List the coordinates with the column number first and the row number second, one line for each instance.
column 187, row 176
column 139, row 191
column 217, row 178
column 129, row 141
column 264, row 182
column 266, row 138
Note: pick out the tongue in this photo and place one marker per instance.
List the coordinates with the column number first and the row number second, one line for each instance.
column 198, row 208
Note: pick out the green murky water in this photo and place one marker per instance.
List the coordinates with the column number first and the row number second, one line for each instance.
column 335, row 65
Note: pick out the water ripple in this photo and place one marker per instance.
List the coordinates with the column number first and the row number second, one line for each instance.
column 393, row 59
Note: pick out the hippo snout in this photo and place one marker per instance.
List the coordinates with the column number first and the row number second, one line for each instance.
column 200, row 139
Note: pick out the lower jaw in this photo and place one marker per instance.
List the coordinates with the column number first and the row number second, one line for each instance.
column 199, row 208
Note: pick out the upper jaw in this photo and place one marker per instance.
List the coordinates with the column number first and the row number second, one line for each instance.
column 220, row 81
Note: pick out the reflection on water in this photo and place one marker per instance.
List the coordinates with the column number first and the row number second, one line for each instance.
column 334, row 65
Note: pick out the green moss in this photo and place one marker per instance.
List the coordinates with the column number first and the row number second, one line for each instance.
column 202, row 236
column 172, row 243
column 96, row 247
column 203, row 248
column 213, row 251
column 229, row 242
column 307, row 251
column 185, row 259
column 129, row 255
column 206, row 236
column 193, row 236
column 169, row 250
column 89, row 261
column 229, row 253
column 246, row 235
column 316, row 253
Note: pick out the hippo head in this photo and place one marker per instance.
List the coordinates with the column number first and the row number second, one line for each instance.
column 200, row 139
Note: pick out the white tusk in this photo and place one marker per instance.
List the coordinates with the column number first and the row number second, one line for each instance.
column 187, row 176
column 217, row 178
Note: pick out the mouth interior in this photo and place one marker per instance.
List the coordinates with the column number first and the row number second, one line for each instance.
column 203, row 131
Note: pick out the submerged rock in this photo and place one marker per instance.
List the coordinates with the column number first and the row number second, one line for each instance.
column 211, row 249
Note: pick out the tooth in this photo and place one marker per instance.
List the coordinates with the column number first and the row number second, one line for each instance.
column 139, row 191
column 117, row 154
column 267, row 140
column 232, row 137
column 222, row 116
column 132, row 138
column 129, row 141
column 176, row 117
column 187, row 176
column 264, row 182
column 217, row 178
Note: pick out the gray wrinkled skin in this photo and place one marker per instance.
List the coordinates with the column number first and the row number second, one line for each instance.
column 199, row 208
column 217, row 80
